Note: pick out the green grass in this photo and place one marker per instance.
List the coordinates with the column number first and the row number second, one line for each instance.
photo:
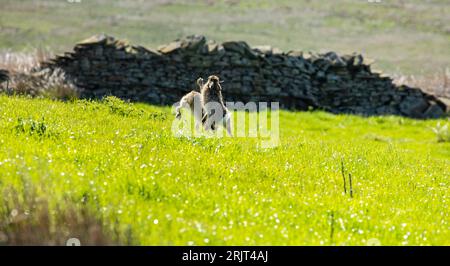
column 400, row 36
column 123, row 164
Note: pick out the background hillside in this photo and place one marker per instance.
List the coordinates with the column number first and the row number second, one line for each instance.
column 407, row 37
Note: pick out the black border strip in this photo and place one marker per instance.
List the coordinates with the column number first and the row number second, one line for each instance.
column 157, row 255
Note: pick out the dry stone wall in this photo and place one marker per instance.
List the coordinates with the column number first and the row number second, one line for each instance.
column 102, row 65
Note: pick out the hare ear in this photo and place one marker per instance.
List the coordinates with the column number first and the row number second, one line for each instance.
column 200, row 82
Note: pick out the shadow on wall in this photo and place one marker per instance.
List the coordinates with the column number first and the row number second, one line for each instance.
column 102, row 65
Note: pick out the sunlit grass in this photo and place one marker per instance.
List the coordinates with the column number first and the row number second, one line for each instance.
column 123, row 163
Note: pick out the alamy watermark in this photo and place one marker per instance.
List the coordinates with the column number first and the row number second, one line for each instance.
column 250, row 120
column 73, row 242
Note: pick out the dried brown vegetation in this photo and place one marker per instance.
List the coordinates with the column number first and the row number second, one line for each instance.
column 32, row 221
column 20, row 76
column 437, row 84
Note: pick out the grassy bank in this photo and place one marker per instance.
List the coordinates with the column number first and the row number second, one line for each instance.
column 123, row 166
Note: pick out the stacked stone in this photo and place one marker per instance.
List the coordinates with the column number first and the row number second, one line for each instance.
column 102, row 66
column 4, row 75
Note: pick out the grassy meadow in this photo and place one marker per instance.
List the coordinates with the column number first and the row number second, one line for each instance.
column 120, row 166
